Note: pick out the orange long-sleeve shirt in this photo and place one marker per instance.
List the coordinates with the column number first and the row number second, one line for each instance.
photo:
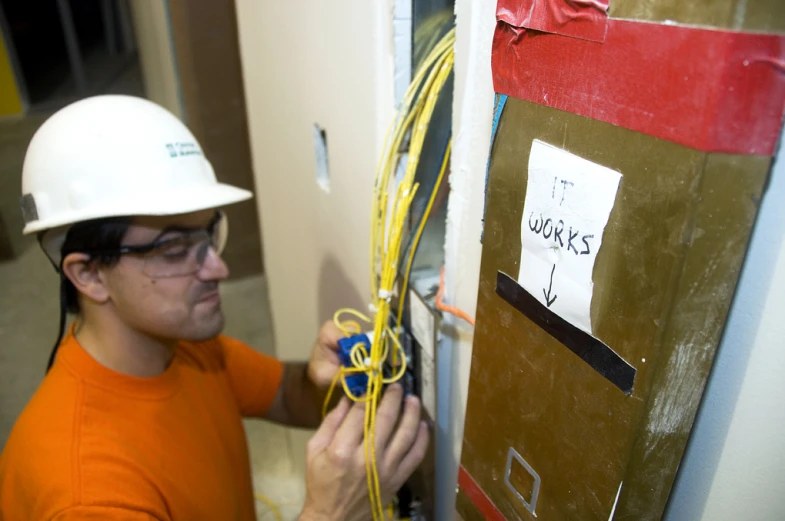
column 96, row 444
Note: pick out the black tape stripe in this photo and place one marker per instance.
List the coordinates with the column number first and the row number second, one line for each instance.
column 591, row 350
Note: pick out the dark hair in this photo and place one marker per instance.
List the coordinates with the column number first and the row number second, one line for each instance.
column 99, row 234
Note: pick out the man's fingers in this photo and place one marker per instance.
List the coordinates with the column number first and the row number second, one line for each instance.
column 387, row 414
column 326, row 432
column 329, row 335
column 406, row 433
column 350, row 434
column 412, row 459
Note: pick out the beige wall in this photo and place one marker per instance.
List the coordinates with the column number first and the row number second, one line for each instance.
column 153, row 40
column 328, row 63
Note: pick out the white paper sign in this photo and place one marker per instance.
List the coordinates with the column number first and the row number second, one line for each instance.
column 568, row 202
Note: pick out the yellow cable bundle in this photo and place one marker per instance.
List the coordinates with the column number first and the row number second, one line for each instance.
column 387, row 234
column 420, row 228
column 435, row 64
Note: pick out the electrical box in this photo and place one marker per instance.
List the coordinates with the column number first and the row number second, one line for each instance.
column 620, row 200
column 420, row 340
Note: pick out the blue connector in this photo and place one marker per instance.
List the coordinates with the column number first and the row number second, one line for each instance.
column 356, row 382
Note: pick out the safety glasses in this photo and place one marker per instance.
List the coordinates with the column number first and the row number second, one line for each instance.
column 177, row 254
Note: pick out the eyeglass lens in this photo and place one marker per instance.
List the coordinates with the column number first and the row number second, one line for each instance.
column 185, row 255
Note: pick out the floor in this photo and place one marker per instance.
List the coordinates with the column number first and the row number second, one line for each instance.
column 29, row 315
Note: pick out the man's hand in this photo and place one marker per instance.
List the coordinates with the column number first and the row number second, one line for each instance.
column 298, row 402
column 324, row 363
column 336, row 483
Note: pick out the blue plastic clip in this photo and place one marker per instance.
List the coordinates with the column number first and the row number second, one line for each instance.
column 357, row 382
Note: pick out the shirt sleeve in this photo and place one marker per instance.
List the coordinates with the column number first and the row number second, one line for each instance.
column 104, row 513
column 253, row 376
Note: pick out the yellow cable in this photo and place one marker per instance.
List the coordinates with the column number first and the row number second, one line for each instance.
column 418, row 139
column 418, row 234
column 387, row 161
column 272, row 506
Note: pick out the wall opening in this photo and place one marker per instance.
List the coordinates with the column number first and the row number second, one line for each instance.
column 320, row 151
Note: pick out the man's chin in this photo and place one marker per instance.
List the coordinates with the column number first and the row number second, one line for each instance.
column 207, row 328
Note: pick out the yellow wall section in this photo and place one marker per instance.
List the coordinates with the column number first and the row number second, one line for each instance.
column 10, row 101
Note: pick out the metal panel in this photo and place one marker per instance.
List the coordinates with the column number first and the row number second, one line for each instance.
column 421, row 342
column 664, row 279
column 752, row 15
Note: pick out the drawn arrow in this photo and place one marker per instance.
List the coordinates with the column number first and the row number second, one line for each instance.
column 548, row 298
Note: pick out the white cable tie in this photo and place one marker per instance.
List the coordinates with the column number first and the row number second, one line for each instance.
column 367, row 361
column 384, row 294
column 372, row 308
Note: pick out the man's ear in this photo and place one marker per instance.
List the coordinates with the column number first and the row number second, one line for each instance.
column 85, row 276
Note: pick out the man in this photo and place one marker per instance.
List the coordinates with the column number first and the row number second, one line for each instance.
column 139, row 416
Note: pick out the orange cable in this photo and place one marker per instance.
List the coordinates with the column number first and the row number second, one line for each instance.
column 440, row 305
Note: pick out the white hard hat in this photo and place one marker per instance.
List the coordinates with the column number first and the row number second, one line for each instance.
column 111, row 156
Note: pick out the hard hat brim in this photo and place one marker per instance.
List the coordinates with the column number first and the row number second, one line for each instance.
column 186, row 200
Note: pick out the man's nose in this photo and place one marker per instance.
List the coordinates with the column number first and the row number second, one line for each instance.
column 213, row 267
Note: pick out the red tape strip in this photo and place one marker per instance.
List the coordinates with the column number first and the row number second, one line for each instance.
column 711, row 90
column 586, row 19
column 478, row 498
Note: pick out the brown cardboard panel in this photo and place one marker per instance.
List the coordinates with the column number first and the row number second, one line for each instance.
column 527, row 391
column 751, row 15
column 208, row 64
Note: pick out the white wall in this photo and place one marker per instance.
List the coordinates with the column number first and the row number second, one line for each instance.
column 328, row 63
column 734, row 467
column 472, row 116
